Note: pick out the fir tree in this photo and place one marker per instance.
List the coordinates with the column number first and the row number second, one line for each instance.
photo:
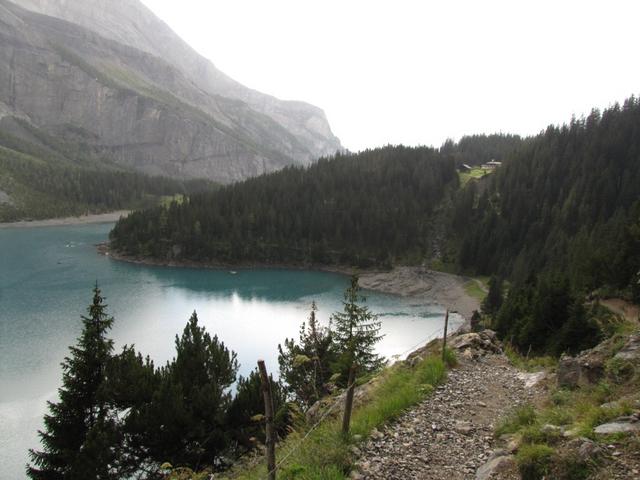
column 79, row 432
column 356, row 332
column 131, row 383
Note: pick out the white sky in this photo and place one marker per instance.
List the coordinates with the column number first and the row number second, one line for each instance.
column 418, row 72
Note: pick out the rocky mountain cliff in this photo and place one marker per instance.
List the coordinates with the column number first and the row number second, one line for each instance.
column 113, row 78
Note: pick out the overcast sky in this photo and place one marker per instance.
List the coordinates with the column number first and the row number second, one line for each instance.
column 418, row 72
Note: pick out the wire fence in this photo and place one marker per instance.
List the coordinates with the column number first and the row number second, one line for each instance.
column 433, row 336
column 336, row 404
column 297, row 446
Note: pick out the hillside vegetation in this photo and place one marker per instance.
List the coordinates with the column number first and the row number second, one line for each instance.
column 567, row 200
column 371, row 208
column 560, row 220
column 46, row 178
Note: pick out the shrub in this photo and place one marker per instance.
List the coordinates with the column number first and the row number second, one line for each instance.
column 619, row 370
column 570, row 467
column 534, row 461
column 450, row 358
column 523, row 416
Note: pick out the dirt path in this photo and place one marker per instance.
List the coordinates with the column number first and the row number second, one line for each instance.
column 451, row 434
column 618, row 306
column 481, row 285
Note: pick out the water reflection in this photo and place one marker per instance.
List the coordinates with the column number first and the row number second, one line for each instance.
column 46, row 277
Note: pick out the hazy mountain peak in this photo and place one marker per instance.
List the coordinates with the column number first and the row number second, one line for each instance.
column 133, row 51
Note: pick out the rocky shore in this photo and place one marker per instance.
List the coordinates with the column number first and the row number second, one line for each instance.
column 442, row 288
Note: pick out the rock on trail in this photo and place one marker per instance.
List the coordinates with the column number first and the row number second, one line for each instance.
column 450, row 435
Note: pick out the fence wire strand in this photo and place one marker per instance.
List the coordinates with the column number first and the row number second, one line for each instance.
column 297, row 446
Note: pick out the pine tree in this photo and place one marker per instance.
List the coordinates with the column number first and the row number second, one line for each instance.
column 131, row 383
column 319, row 341
column 356, row 332
column 185, row 419
column 245, row 415
column 79, row 431
column 305, row 366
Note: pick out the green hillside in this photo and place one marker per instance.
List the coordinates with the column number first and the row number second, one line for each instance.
column 568, row 200
column 46, row 178
column 371, row 208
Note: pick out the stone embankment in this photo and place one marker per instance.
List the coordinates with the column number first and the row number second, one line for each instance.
column 450, row 435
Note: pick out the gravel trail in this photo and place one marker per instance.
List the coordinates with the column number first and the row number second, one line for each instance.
column 449, row 435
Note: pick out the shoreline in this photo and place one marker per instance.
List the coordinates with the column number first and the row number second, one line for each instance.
column 445, row 289
column 110, row 217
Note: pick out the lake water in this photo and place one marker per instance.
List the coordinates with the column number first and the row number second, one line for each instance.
column 46, row 278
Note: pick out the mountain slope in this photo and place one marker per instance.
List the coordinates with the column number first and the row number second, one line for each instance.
column 45, row 178
column 95, row 76
column 567, row 200
column 131, row 23
column 364, row 209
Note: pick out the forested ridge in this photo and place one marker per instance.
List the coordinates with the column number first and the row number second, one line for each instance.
column 479, row 149
column 567, row 200
column 47, row 178
column 559, row 220
column 371, row 208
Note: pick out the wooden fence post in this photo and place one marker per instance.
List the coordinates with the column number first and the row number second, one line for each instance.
column 270, row 442
column 348, row 406
column 444, row 339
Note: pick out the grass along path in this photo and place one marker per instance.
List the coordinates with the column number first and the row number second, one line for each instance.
column 477, row 288
column 323, row 453
column 450, row 434
column 629, row 311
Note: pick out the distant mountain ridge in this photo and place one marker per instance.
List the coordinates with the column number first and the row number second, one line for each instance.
column 111, row 76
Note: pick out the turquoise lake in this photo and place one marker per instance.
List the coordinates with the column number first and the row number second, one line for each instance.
column 46, row 278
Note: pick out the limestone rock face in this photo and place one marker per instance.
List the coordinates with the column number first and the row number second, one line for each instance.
column 5, row 198
column 109, row 75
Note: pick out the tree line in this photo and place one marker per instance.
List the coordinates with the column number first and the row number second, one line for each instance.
column 44, row 183
column 560, row 217
column 120, row 416
column 475, row 150
column 561, row 221
column 371, row 208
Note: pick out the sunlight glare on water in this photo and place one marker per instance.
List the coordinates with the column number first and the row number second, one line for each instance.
column 46, row 277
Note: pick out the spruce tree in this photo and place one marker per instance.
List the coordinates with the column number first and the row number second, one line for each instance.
column 493, row 301
column 355, row 334
column 79, row 432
